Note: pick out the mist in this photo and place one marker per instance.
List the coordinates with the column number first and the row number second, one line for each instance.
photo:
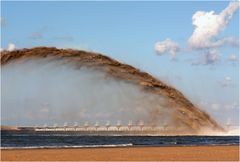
column 46, row 91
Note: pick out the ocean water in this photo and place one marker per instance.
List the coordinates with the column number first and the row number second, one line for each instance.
column 19, row 141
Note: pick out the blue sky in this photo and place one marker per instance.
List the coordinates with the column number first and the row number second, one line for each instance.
column 128, row 32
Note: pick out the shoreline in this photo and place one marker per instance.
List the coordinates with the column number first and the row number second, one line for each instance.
column 129, row 153
column 102, row 146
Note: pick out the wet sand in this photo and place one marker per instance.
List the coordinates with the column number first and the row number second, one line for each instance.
column 190, row 153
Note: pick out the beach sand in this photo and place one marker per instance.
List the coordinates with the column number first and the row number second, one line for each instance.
column 190, row 153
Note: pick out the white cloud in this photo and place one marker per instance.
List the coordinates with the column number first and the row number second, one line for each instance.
column 211, row 57
column 204, row 39
column 233, row 58
column 228, row 78
column 167, row 46
column 208, row 25
column 11, row 47
column 231, row 41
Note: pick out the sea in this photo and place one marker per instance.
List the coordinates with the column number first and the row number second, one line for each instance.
column 31, row 141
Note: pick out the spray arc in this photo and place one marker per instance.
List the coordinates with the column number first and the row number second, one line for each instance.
column 162, row 105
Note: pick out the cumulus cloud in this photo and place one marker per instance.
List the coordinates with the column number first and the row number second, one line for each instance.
column 208, row 25
column 227, row 78
column 230, row 41
column 167, row 46
column 210, row 57
column 11, row 47
column 233, row 58
column 204, row 39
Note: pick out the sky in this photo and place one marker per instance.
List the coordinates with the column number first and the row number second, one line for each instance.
column 192, row 46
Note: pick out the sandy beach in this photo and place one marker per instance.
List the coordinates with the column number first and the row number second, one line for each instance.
column 190, row 153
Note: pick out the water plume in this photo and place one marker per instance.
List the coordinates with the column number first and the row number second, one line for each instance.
column 50, row 85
